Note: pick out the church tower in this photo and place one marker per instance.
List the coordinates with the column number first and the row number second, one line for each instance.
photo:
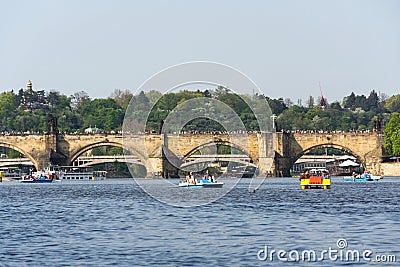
column 29, row 87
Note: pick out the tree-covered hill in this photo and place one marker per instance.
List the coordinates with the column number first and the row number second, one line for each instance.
column 22, row 113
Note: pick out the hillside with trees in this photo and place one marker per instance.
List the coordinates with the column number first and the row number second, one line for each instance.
column 22, row 113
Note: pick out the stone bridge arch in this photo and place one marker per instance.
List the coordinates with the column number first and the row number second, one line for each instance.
column 183, row 145
column 185, row 164
column 37, row 148
column 327, row 145
column 22, row 151
column 367, row 147
column 217, row 142
column 75, row 145
column 257, row 146
column 79, row 151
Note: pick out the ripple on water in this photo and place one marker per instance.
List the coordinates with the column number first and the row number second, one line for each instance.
column 114, row 223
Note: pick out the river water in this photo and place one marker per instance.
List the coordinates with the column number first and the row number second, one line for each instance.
column 115, row 223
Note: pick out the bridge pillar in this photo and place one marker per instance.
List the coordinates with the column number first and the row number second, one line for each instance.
column 282, row 166
column 154, row 167
column 373, row 159
column 169, row 160
column 51, row 154
column 283, row 159
column 264, row 145
column 266, row 167
column 159, row 161
column 42, row 160
column 54, row 154
column 48, row 154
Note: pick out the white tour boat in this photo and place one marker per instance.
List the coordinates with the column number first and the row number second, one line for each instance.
column 80, row 173
column 11, row 173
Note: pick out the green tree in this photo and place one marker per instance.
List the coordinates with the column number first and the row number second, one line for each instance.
column 294, row 119
column 396, row 143
column 153, row 95
column 277, row 105
column 8, row 106
column 349, row 101
column 335, row 105
column 373, row 102
column 122, row 98
column 310, row 102
column 107, row 151
column 393, row 103
column 53, row 99
column 102, row 113
column 392, row 135
column 13, row 154
column 79, row 99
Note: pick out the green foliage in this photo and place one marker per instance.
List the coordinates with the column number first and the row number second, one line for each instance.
column 117, row 169
column 102, row 113
column 349, row 101
column 74, row 113
column 393, row 103
column 392, row 135
column 107, row 151
column 358, row 113
column 78, row 112
column 122, row 98
column 371, row 103
column 396, row 143
column 203, row 124
column 13, row 154
column 221, row 150
column 163, row 107
column 277, row 105
column 8, row 105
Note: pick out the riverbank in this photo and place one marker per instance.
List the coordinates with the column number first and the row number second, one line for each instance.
column 391, row 169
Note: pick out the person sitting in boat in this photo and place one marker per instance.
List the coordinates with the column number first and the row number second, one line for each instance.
column 325, row 174
column 187, row 178
column 366, row 175
column 212, row 179
column 192, row 178
column 305, row 175
column 209, row 177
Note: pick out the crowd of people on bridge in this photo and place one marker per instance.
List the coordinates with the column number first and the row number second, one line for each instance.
column 326, row 131
column 197, row 132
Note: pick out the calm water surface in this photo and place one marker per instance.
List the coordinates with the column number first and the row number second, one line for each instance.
column 115, row 223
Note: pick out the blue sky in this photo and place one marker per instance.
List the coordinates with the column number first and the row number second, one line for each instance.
column 286, row 47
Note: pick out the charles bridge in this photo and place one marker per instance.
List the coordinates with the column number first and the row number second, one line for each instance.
column 162, row 154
